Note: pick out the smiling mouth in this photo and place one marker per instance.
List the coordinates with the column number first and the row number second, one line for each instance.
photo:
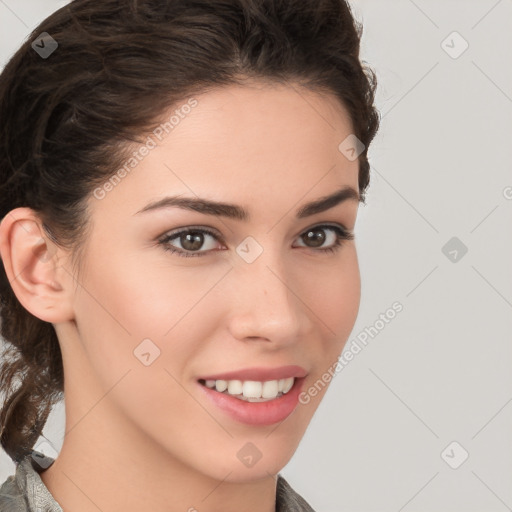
column 250, row 390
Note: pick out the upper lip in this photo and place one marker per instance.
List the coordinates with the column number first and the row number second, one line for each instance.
column 260, row 374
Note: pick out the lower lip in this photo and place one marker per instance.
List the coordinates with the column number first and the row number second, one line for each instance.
column 257, row 413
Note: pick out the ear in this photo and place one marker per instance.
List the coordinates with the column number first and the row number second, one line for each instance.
column 31, row 261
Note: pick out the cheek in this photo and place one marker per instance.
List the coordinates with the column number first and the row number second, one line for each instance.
column 124, row 301
column 336, row 305
column 334, row 295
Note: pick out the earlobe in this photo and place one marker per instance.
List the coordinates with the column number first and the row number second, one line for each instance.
column 31, row 262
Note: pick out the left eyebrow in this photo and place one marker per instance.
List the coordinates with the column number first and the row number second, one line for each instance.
column 236, row 212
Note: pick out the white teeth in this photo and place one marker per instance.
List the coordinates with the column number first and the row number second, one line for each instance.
column 221, row 385
column 235, row 387
column 250, row 390
column 287, row 385
column 270, row 389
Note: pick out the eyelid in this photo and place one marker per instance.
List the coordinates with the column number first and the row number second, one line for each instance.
column 326, row 225
column 209, row 230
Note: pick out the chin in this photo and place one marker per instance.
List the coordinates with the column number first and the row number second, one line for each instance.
column 247, row 459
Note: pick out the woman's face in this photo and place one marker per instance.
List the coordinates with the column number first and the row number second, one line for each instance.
column 256, row 294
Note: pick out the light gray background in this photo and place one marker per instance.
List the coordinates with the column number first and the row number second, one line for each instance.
column 440, row 371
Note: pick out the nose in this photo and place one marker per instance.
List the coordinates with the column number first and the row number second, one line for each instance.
column 264, row 303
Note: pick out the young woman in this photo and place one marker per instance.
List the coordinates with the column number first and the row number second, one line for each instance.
column 179, row 183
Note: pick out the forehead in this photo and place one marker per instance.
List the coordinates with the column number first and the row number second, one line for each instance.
column 265, row 113
column 242, row 143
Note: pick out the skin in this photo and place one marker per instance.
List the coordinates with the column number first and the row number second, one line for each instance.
column 145, row 436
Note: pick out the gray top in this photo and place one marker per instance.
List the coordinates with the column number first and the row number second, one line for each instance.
column 25, row 491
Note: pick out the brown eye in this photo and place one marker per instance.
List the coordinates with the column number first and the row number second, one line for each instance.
column 195, row 241
column 331, row 236
column 191, row 242
column 315, row 237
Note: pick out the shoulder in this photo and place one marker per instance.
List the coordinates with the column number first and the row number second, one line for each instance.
column 287, row 500
column 12, row 496
column 25, row 491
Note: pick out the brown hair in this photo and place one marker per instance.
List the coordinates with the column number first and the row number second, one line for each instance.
column 68, row 120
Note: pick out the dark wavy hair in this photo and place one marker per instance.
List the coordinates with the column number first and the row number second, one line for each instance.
column 68, row 122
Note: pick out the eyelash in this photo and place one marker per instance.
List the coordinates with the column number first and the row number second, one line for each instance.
column 342, row 235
